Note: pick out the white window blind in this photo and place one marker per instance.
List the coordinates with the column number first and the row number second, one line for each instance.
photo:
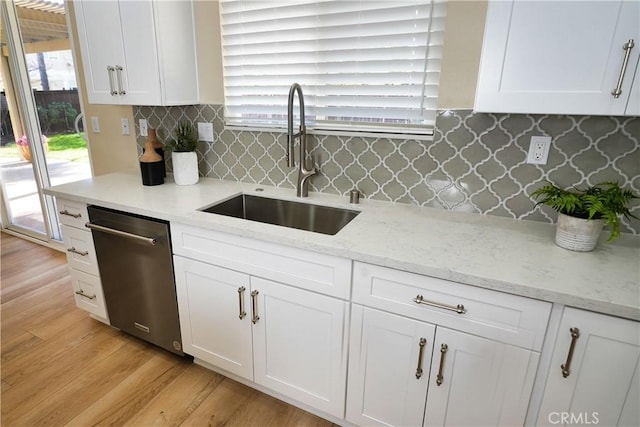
column 369, row 65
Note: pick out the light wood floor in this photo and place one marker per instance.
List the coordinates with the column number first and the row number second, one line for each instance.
column 60, row 367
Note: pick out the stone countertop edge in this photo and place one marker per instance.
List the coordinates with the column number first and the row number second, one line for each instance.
column 507, row 255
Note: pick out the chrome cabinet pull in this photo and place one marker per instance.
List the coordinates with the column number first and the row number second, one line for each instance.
column 443, row 351
column 566, row 367
column 254, row 307
column 67, row 213
column 110, row 71
column 119, row 76
column 422, row 343
column 82, row 294
column 419, row 299
column 150, row 240
column 243, row 313
column 627, row 52
column 72, row 249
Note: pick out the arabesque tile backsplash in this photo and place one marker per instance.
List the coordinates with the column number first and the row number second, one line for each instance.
column 476, row 162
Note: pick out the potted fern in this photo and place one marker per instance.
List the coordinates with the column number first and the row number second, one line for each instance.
column 583, row 213
column 184, row 157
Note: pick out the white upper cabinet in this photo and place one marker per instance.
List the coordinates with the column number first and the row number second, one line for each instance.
column 560, row 57
column 138, row 52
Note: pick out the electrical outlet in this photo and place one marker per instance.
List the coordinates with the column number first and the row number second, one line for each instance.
column 205, row 132
column 124, row 123
column 143, row 127
column 539, row 150
column 95, row 124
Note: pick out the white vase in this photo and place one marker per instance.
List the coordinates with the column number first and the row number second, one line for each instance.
column 185, row 167
column 577, row 234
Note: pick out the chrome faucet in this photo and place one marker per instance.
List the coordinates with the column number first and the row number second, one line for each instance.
column 304, row 171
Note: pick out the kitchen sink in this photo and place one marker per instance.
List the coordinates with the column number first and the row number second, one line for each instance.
column 303, row 216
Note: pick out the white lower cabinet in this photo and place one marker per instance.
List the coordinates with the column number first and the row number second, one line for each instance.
column 81, row 258
column 478, row 381
column 212, row 326
column 300, row 344
column 398, row 365
column 593, row 378
column 389, row 363
column 287, row 339
column 430, row 352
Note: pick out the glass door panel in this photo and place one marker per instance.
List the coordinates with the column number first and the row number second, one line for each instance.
column 41, row 96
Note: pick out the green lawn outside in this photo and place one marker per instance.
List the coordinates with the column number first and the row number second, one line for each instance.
column 70, row 147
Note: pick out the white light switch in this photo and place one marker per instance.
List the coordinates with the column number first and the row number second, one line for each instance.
column 143, row 127
column 95, row 124
column 205, row 132
column 124, row 123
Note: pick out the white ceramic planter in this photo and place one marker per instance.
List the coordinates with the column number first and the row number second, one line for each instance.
column 185, row 167
column 577, row 234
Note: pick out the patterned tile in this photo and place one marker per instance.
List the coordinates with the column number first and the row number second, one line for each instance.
column 476, row 162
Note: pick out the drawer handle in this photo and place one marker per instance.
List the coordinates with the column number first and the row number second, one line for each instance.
column 243, row 313
column 72, row 249
column 627, row 52
column 443, row 352
column 82, row 294
column 422, row 343
column 254, row 307
column 419, row 299
column 566, row 367
column 66, row 212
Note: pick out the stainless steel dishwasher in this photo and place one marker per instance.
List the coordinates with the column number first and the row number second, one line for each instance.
column 136, row 270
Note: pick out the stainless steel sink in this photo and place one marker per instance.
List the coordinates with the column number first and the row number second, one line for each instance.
column 303, row 216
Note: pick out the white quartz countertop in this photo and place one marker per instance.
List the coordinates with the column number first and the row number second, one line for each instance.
column 507, row 255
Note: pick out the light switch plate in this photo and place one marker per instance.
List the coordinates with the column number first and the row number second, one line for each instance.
column 124, row 123
column 95, row 124
column 205, row 132
column 143, row 127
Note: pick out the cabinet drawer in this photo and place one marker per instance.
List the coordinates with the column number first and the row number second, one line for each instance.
column 308, row 270
column 88, row 293
column 503, row 317
column 73, row 214
column 81, row 253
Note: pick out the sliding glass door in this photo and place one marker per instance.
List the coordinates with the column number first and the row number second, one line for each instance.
column 41, row 144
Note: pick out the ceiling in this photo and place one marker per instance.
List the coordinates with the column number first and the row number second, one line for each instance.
column 40, row 21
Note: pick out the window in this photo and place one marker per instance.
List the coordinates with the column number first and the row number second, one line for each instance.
column 367, row 65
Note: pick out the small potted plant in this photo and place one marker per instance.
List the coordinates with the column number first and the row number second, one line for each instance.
column 583, row 213
column 23, row 146
column 184, row 157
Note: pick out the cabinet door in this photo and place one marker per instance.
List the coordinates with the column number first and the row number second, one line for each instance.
column 211, row 320
column 601, row 385
column 300, row 344
column 561, row 57
column 140, row 75
column 389, row 360
column 100, row 39
column 477, row 381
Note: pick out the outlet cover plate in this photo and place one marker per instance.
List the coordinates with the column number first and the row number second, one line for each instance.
column 539, row 150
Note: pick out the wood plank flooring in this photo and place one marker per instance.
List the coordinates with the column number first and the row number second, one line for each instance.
column 60, row 367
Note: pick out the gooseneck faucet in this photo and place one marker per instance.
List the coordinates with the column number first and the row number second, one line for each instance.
column 304, row 171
